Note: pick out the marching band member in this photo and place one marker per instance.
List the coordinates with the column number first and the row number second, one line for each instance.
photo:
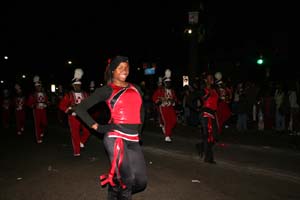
column 67, row 105
column 39, row 102
column 165, row 98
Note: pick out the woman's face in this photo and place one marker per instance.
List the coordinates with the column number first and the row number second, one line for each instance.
column 121, row 72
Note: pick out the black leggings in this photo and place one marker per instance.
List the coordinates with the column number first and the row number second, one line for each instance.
column 132, row 170
column 208, row 146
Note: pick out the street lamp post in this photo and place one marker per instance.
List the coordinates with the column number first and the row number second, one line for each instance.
column 193, row 52
column 195, row 38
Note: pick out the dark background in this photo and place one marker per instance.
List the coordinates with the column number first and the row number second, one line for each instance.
column 39, row 37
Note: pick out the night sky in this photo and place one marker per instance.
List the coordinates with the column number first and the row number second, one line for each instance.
column 41, row 36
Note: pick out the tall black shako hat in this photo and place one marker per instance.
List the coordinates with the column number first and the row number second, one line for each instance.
column 116, row 61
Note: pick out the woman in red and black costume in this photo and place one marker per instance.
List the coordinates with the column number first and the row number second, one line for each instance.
column 209, row 123
column 127, row 174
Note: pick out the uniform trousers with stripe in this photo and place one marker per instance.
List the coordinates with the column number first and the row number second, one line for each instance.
column 20, row 120
column 40, row 122
column 76, row 127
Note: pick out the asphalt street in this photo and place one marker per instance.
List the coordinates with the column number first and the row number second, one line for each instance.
column 249, row 166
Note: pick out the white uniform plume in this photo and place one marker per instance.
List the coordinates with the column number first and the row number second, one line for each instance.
column 92, row 84
column 167, row 75
column 36, row 80
column 77, row 76
column 218, row 77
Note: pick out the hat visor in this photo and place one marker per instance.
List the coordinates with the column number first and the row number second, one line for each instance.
column 76, row 83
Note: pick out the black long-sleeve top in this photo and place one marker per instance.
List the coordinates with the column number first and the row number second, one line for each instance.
column 104, row 94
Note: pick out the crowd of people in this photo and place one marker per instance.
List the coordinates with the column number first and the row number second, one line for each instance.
column 210, row 102
column 243, row 105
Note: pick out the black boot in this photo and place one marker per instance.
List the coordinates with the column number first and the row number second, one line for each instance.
column 200, row 149
column 210, row 161
column 113, row 193
column 209, row 154
column 126, row 194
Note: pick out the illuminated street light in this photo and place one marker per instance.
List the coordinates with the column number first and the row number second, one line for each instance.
column 188, row 31
column 70, row 62
column 260, row 61
column 23, row 76
column 1, row 81
column 6, row 57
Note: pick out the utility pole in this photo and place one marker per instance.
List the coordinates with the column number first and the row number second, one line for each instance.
column 196, row 34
